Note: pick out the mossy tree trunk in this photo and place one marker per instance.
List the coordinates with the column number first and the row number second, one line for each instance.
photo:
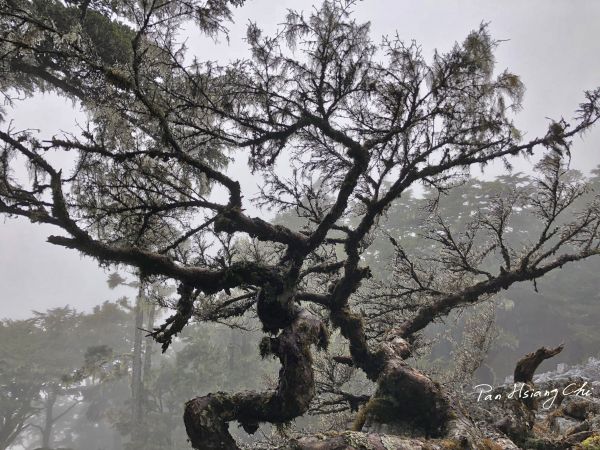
column 207, row 418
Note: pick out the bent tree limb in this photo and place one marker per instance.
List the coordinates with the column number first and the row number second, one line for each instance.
column 206, row 418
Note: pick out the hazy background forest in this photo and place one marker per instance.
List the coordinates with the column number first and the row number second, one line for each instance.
column 74, row 336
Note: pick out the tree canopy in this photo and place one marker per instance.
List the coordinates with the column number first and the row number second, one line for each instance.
column 358, row 124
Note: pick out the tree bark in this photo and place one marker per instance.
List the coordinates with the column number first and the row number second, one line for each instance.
column 406, row 402
column 527, row 365
column 207, row 418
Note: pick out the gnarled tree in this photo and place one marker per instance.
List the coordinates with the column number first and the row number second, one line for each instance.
column 358, row 124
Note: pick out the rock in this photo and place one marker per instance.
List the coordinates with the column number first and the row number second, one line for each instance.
column 579, row 409
column 563, row 424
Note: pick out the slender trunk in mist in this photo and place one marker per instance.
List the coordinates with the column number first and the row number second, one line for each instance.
column 149, row 342
column 136, row 372
column 233, row 344
column 48, row 418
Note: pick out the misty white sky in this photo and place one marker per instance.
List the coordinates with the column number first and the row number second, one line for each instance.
column 553, row 45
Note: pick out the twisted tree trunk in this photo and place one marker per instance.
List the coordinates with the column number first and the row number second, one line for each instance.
column 406, row 402
column 207, row 418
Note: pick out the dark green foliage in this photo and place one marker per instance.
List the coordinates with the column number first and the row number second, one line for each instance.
column 110, row 39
